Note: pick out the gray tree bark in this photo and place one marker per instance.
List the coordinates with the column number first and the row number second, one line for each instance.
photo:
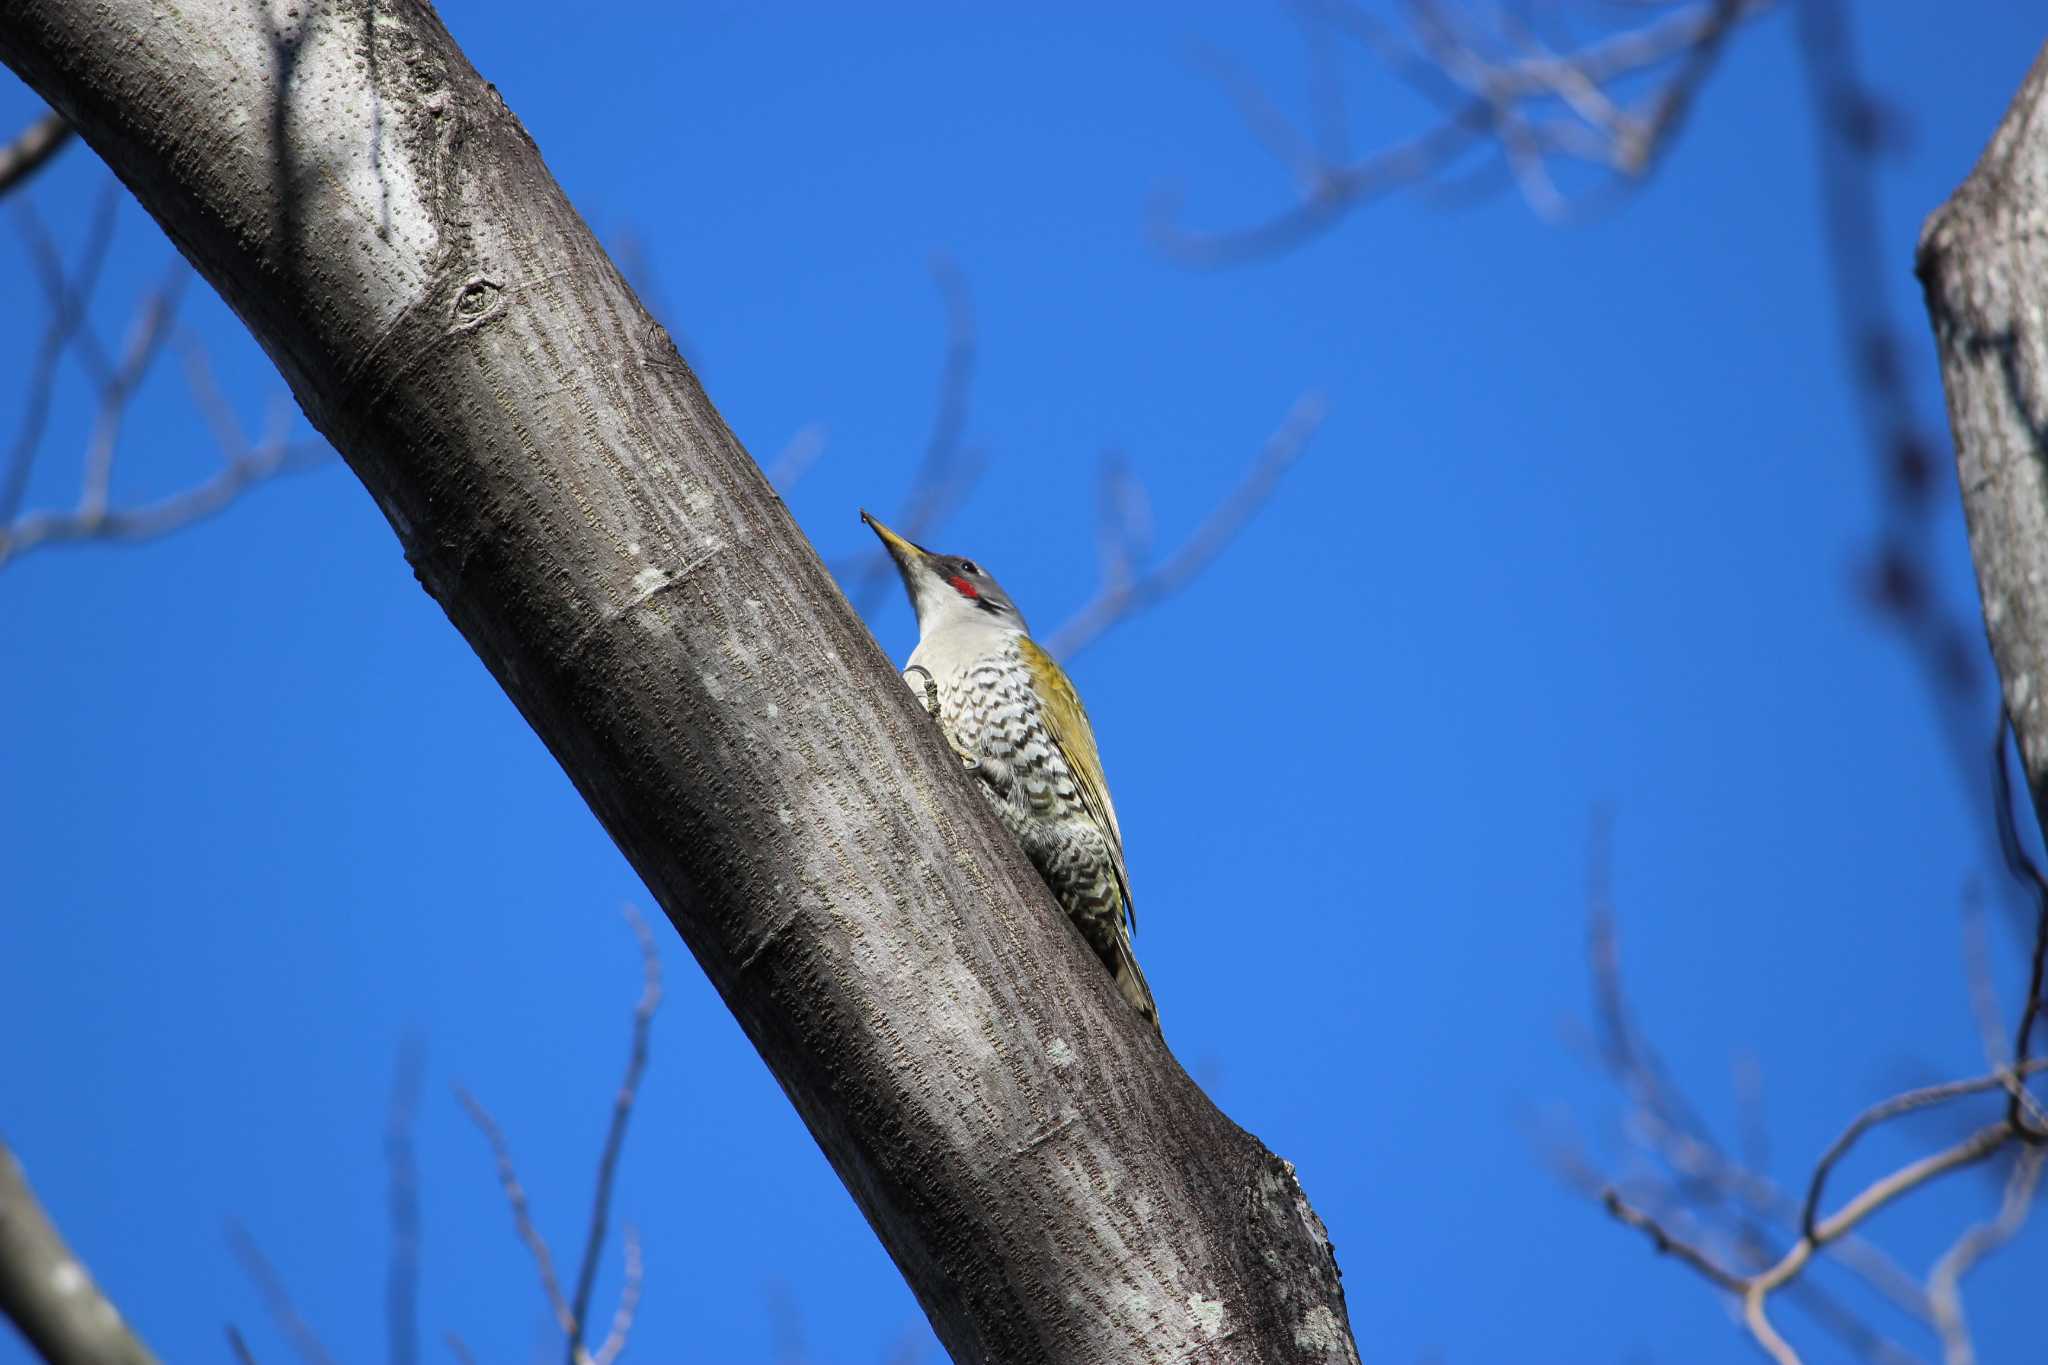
column 1049, row 1180
column 1983, row 263
column 46, row 1291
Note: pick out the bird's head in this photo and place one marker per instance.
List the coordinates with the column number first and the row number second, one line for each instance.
column 948, row 590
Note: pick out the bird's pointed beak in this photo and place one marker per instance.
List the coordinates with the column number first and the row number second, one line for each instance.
column 902, row 551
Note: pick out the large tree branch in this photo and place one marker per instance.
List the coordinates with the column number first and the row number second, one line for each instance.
column 45, row 1290
column 1983, row 261
column 1048, row 1179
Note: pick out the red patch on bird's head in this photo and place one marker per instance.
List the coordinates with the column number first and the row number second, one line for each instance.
column 964, row 588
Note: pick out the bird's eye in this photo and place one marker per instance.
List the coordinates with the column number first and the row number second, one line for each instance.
column 969, row 566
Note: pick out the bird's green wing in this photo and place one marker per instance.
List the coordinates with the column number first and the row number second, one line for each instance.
column 1067, row 722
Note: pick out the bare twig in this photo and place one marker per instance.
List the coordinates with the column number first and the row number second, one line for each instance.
column 615, row 1141
column 146, row 337
column 459, row 1348
column 1123, row 522
column 93, row 517
column 1944, row 1282
column 522, row 1217
column 276, row 1300
column 1874, row 1196
column 909, row 1350
column 31, row 149
column 2025, row 1112
column 69, row 299
column 1703, row 1178
column 239, row 1346
column 1666, row 1243
column 1754, row 1291
column 630, row 252
column 246, row 465
column 1884, row 1112
column 1708, row 1204
column 1496, row 87
column 1749, row 1101
column 629, row 1302
column 1977, row 976
column 786, row 1325
column 153, row 519
column 796, row 457
column 1901, row 572
column 949, row 469
column 571, row 1314
column 402, row 1280
column 1123, row 595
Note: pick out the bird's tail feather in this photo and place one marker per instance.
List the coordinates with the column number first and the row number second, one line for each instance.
column 1131, row 981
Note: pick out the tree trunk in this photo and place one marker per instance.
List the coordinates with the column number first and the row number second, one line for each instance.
column 1046, row 1176
column 1983, row 261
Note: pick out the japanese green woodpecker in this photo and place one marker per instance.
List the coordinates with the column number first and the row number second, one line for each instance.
column 1017, row 723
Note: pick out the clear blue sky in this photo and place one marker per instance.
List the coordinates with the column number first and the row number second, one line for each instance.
column 1581, row 530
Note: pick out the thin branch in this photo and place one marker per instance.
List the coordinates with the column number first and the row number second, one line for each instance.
column 1625, row 1051
column 1944, row 1282
column 949, row 470
column 1979, row 982
column 1637, row 150
column 146, row 337
column 1116, row 601
column 69, row 300
column 31, row 148
column 1668, row 1244
column 1749, row 1103
column 1123, row 521
column 522, row 1218
column 153, row 519
column 93, row 517
column 629, row 1302
column 402, row 1280
column 1496, row 85
column 1282, row 140
column 1817, row 1233
column 276, row 1300
column 1902, row 568
column 1724, row 1200
column 615, row 1137
column 240, row 1347
column 2025, row 1112
column 795, row 459
column 1884, row 1112
column 63, row 296
column 246, row 466
column 459, row 1347
column 629, row 251
column 786, row 1325
column 1875, row 1196
column 1325, row 83
column 1340, row 189
column 1754, row 1291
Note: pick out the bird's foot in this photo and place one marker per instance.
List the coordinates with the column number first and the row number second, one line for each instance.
column 930, row 690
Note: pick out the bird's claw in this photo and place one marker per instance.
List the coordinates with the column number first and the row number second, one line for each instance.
column 930, row 692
